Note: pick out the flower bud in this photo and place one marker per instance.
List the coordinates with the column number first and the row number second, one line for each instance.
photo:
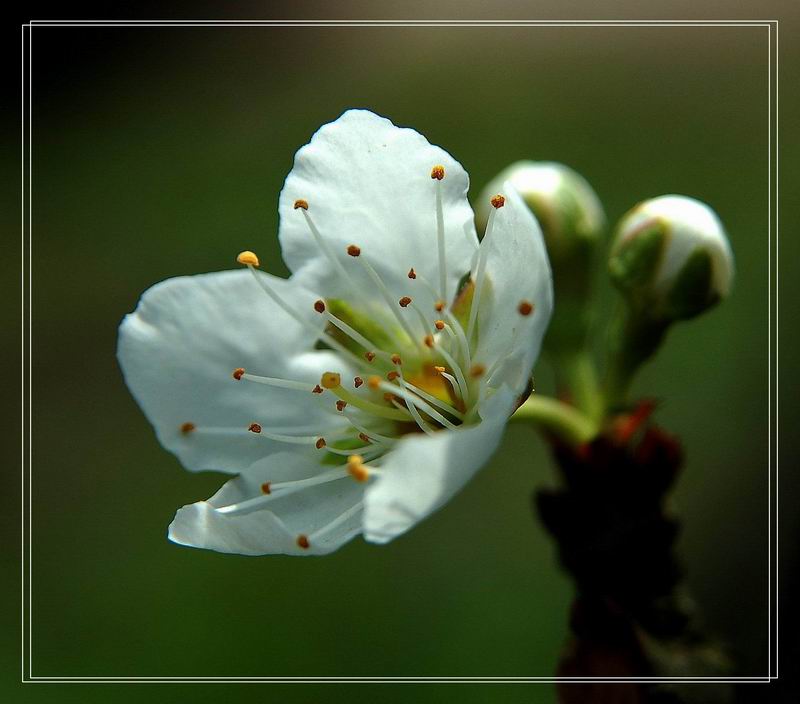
column 671, row 258
column 568, row 210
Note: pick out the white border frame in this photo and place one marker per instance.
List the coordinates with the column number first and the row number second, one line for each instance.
column 27, row 343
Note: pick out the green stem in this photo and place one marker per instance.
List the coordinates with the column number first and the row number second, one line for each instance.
column 568, row 423
column 635, row 338
column 579, row 375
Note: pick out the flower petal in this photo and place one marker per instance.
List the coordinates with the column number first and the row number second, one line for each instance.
column 368, row 182
column 314, row 512
column 178, row 350
column 423, row 472
column 518, row 270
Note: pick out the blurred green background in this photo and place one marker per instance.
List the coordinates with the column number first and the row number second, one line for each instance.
column 160, row 152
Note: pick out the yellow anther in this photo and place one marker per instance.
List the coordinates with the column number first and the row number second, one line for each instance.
column 331, row 380
column 238, row 373
column 437, row 172
column 187, row 428
column 477, row 370
column 356, row 468
column 441, row 370
column 525, row 308
column 300, row 203
column 498, row 201
column 374, row 382
column 428, row 340
column 247, row 257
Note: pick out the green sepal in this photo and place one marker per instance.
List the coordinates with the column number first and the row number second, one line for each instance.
column 693, row 292
column 634, row 264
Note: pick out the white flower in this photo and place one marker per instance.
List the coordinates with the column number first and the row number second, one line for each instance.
column 356, row 403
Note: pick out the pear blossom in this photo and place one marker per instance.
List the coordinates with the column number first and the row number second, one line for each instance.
column 359, row 395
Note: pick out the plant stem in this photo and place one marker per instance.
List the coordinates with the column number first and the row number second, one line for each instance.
column 561, row 419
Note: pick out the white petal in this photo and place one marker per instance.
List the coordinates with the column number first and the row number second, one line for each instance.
column 369, row 183
column 425, row 471
column 274, row 528
column 187, row 335
column 518, row 270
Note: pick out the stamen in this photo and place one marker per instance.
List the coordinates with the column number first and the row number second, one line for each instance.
column 384, row 293
column 369, row 406
column 320, row 334
column 463, row 387
column 319, row 444
column 353, row 250
column 340, row 405
column 477, row 371
column 254, row 428
column 187, row 428
column 273, row 490
column 497, row 202
column 302, row 542
column 370, row 434
column 331, row 380
column 404, row 301
column 411, row 273
column 356, row 468
column 525, row 308
column 428, row 341
column 396, row 359
column 358, row 381
column 336, row 522
column 391, row 376
column 439, row 324
column 317, row 389
column 369, row 356
column 351, row 332
column 423, row 426
column 247, row 257
column 453, row 382
column 237, row 373
column 272, row 381
column 321, row 243
column 438, row 174
column 430, row 398
column 412, row 399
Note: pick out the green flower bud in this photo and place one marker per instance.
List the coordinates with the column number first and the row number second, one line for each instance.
column 671, row 258
column 565, row 205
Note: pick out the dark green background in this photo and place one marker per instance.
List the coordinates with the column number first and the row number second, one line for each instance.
column 160, row 152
